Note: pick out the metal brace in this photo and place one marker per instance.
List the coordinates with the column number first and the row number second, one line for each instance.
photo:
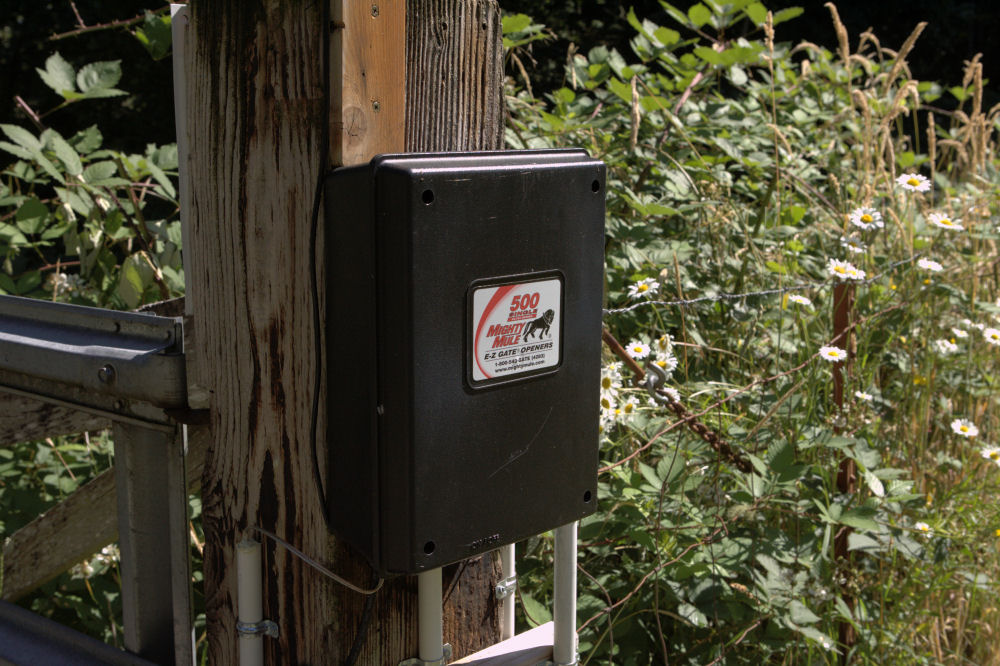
column 506, row 587
column 417, row 661
column 262, row 628
column 655, row 378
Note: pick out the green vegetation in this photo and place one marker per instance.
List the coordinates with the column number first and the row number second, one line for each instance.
column 748, row 182
column 738, row 166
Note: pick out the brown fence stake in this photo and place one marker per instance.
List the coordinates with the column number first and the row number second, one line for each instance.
column 847, row 475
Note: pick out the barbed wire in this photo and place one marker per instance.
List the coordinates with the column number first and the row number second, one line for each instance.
column 750, row 294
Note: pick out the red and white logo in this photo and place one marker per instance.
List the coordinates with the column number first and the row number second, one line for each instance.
column 515, row 328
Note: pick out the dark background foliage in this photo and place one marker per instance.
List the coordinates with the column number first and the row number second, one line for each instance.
column 145, row 116
column 956, row 31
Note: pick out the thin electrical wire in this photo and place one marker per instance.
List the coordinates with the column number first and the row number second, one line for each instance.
column 750, row 294
column 316, row 565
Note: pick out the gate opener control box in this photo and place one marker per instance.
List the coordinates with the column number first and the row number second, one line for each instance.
column 463, row 350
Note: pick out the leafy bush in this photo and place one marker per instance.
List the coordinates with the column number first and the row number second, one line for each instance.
column 735, row 169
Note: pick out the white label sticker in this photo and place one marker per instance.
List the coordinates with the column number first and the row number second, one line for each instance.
column 515, row 328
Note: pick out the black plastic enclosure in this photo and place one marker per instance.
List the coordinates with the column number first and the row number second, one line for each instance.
column 463, row 337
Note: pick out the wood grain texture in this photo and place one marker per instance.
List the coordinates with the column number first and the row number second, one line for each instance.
column 24, row 419
column 255, row 127
column 78, row 527
column 368, row 79
column 454, row 101
column 454, row 76
column 255, row 94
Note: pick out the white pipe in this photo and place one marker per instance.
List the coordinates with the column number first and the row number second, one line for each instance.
column 508, row 603
column 430, row 623
column 564, row 649
column 250, row 600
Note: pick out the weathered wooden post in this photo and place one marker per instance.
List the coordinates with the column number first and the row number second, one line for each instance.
column 263, row 99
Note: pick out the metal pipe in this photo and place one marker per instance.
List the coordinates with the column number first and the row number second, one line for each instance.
column 430, row 622
column 564, row 650
column 508, row 603
column 250, row 601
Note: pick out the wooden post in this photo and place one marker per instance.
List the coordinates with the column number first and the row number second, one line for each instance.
column 847, row 474
column 266, row 112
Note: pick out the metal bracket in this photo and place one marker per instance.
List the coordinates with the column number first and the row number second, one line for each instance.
column 656, row 377
column 255, row 629
column 417, row 661
column 506, row 587
column 100, row 360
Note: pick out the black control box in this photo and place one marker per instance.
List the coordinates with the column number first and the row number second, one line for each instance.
column 463, row 333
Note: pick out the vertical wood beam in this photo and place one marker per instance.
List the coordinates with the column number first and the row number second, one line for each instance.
column 368, row 79
column 265, row 112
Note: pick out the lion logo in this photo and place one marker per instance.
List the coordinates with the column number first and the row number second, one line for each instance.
column 541, row 325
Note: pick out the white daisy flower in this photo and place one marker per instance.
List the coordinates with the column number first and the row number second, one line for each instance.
column 945, row 346
column 959, row 333
column 852, row 245
column 646, row 287
column 866, row 218
column 991, row 335
column 666, row 361
column 930, row 265
column 637, row 349
column 629, row 407
column 864, row 396
column 832, row 354
column 664, row 344
column 913, row 182
column 964, row 427
column 991, row 453
column 672, row 393
column 844, row 270
column 923, row 528
column 944, row 222
column 800, row 300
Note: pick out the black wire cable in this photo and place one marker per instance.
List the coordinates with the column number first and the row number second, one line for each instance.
column 325, row 27
column 324, row 166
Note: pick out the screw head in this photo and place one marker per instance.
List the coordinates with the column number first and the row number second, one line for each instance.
column 376, row 107
column 374, row 11
column 106, row 374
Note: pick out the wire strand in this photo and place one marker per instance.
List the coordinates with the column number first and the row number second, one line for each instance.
column 316, row 565
column 766, row 292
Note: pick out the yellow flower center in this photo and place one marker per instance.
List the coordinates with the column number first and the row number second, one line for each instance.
column 662, row 364
column 867, row 218
column 994, row 336
column 994, row 455
column 643, row 287
column 628, row 407
column 839, row 269
column 912, row 182
column 606, row 382
column 964, row 428
column 945, row 221
column 605, row 403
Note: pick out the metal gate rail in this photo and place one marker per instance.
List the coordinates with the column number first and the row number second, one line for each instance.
column 130, row 368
